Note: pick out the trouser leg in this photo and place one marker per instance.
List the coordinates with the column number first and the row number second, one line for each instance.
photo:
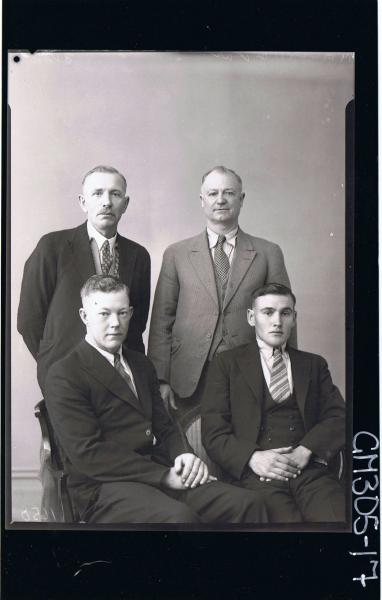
column 277, row 498
column 224, row 503
column 126, row 502
column 319, row 495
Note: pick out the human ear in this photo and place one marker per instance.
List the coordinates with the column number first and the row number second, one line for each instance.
column 83, row 315
column 251, row 317
column 82, row 204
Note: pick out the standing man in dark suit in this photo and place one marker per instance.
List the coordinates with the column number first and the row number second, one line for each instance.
column 203, row 291
column 63, row 260
column 272, row 418
column 126, row 461
column 48, row 316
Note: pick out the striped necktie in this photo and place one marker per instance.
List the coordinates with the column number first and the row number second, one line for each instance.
column 221, row 260
column 124, row 374
column 106, row 258
column 279, row 383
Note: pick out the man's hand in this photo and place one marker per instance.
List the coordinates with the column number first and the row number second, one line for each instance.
column 300, row 456
column 193, row 470
column 167, row 395
column 188, row 472
column 274, row 464
column 173, row 480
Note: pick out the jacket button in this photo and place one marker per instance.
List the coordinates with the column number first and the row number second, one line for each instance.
column 148, row 432
column 292, row 428
column 269, row 439
column 209, row 336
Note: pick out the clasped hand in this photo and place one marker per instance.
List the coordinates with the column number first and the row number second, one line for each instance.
column 279, row 463
column 188, row 472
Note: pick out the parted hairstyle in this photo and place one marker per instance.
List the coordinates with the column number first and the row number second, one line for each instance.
column 105, row 169
column 226, row 171
column 103, row 283
column 273, row 288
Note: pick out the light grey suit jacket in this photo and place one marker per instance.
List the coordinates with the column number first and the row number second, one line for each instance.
column 186, row 307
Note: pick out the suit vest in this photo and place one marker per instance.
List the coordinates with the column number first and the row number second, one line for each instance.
column 220, row 339
column 281, row 424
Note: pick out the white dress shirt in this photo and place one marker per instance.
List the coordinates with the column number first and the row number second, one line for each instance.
column 228, row 246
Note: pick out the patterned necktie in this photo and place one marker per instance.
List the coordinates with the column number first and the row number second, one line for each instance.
column 279, row 383
column 123, row 373
column 221, row 260
column 106, row 258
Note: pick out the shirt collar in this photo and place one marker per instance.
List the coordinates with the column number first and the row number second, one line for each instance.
column 266, row 349
column 99, row 238
column 108, row 355
column 230, row 237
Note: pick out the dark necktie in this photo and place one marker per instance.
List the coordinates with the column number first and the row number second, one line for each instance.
column 221, row 260
column 106, row 258
column 279, row 383
column 118, row 366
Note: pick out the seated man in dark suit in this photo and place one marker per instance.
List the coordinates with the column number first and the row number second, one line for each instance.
column 126, row 461
column 272, row 418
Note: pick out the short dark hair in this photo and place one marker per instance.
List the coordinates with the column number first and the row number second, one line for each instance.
column 103, row 283
column 226, row 171
column 276, row 289
column 105, row 169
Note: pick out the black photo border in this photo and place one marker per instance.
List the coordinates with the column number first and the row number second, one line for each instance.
column 174, row 564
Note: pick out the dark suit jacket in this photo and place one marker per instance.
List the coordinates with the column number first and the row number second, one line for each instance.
column 106, row 433
column 232, row 407
column 186, row 307
column 48, row 316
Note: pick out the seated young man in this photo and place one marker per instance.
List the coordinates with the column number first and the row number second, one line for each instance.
column 126, row 462
column 272, row 418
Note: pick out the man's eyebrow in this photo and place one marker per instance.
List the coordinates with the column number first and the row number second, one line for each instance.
column 273, row 308
column 227, row 189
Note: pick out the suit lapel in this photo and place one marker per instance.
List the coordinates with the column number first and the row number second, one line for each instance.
column 200, row 259
column 250, row 366
column 141, row 383
column 127, row 257
column 301, row 367
column 242, row 260
column 100, row 368
column 82, row 254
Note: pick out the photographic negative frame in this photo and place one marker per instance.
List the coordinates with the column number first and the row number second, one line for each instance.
column 363, row 420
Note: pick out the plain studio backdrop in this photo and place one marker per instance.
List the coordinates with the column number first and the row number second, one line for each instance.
column 164, row 119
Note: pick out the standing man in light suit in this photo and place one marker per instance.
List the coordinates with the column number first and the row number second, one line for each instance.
column 203, row 291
